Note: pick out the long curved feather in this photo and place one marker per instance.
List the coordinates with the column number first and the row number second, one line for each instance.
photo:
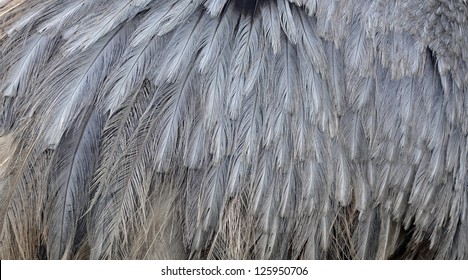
column 69, row 181
column 233, row 129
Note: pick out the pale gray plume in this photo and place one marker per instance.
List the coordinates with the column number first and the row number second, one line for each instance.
column 233, row 129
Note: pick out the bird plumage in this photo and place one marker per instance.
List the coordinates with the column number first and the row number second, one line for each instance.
column 233, row 129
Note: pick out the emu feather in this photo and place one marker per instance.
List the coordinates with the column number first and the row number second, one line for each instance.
column 242, row 129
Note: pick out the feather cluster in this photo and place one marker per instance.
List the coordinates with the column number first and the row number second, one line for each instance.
column 280, row 129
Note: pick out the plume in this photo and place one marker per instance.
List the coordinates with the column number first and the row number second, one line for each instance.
column 233, row 129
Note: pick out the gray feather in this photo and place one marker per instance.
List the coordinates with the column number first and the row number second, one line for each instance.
column 237, row 129
column 69, row 182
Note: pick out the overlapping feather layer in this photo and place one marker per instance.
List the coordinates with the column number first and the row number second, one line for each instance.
column 190, row 129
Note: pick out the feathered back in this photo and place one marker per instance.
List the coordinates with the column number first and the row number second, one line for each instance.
column 233, row 129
